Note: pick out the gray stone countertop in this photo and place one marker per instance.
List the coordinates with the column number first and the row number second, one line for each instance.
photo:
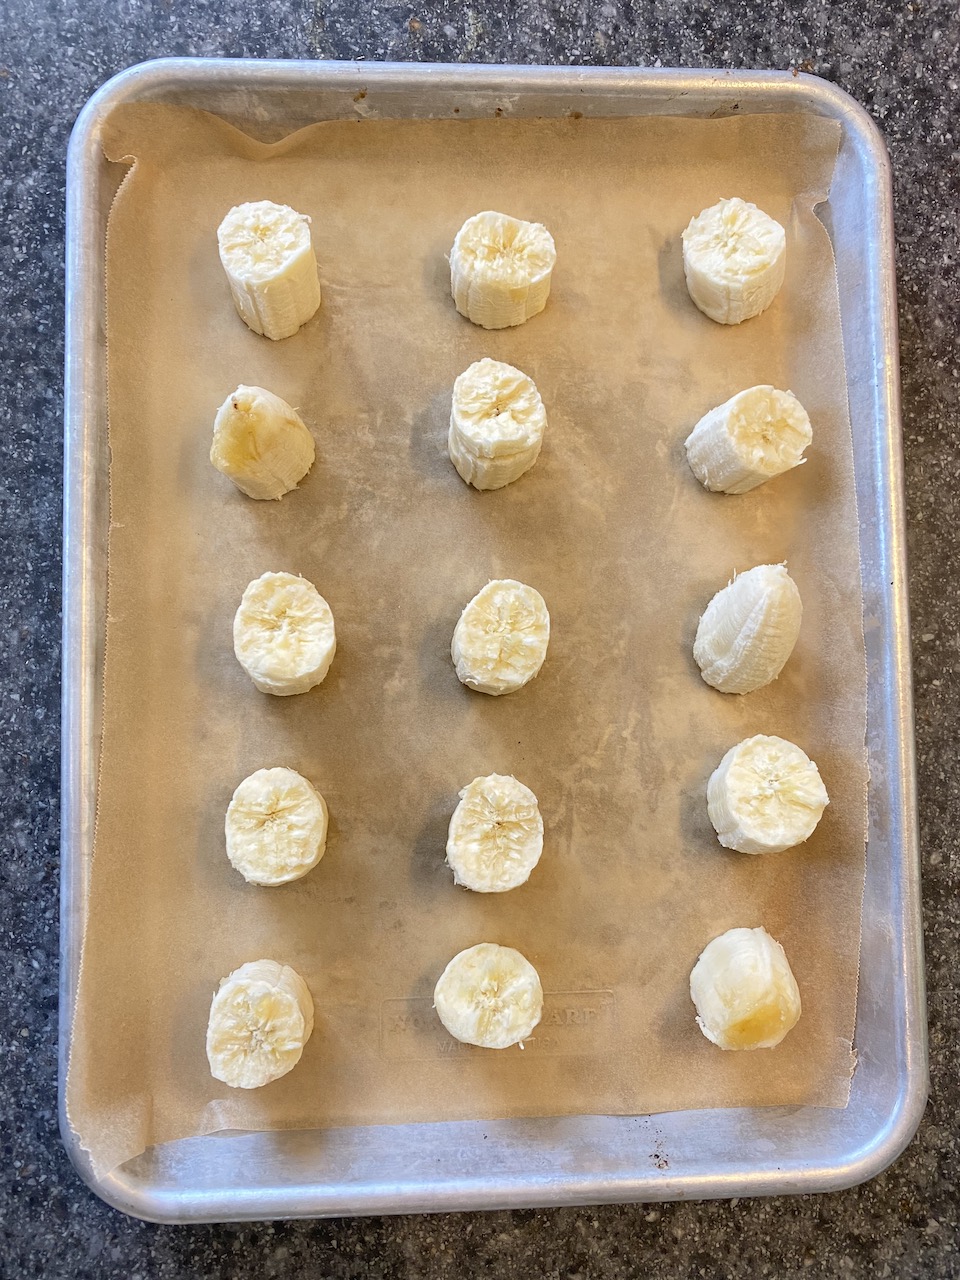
column 902, row 61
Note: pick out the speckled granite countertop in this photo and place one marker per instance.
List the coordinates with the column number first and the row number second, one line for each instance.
column 902, row 61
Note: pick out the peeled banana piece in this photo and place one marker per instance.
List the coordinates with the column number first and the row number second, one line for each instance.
column 734, row 259
column 496, row 835
column 497, row 420
column 750, row 438
column 276, row 827
column 283, row 634
column 267, row 253
column 765, row 796
column 261, row 443
column 748, row 630
column 500, row 269
column 744, row 991
column 500, row 642
column 489, row 996
column 260, row 1019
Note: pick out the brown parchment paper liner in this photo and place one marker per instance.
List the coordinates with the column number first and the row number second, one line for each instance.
column 618, row 734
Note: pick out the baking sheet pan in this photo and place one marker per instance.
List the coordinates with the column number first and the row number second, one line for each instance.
column 532, row 1161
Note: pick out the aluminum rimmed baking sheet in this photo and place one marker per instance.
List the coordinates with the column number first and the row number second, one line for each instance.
column 576, row 1157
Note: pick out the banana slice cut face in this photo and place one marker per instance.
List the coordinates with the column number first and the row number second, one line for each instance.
column 744, row 991
column 500, row 269
column 497, row 420
column 276, row 827
column 496, row 835
column 489, row 996
column 283, row 634
column 267, row 253
column 748, row 630
column 734, row 258
column 500, row 642
column 765, row 796
column 750, row 438
column 260, row 1019
column 261, row 443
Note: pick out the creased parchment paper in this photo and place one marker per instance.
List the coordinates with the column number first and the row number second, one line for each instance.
column 618, row 734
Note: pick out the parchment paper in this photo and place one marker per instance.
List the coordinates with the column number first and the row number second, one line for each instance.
column 618, row 734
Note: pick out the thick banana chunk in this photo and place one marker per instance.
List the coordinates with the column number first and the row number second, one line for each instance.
column 500, row 642
column 276, row 827
column 765, row 796
column 260, row 1019
column 752, row 437
column 748, row 630
column 261, row 443
column 496, row 835
column 283, row 634
column 497, row 420
column 744, row 990
column 268, row 256
column 734, row 258
column 489, row 996
column 500, row 269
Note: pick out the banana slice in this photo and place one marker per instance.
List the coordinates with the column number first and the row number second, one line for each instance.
column 748, row 630
column 260, row 1019
column 765, row 796
column 750, row 438
column 500, row 642
column 489, row 996
column 734, row 258
column 276, row 827
column 497, row 421
column 496, row 835
column 268, row 256
column 283, row 634
column 744, row 990
column 261, row 443
column 500, row 269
